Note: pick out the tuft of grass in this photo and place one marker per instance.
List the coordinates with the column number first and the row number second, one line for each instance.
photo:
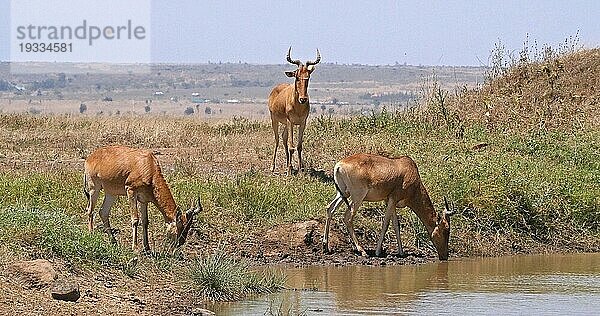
column 48, row 233
column 218, row 277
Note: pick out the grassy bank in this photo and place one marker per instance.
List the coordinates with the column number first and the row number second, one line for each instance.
column 523, row 191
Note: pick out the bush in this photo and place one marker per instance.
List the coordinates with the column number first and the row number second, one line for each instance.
column 188, row 111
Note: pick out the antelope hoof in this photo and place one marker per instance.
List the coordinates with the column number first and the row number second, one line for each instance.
column 363, row 253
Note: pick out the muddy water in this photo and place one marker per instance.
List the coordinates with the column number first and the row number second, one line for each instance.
column 541, row 285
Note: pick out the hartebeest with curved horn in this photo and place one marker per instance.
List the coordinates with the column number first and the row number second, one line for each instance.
column 135, row 173
column 289, row 105
column 366, row 177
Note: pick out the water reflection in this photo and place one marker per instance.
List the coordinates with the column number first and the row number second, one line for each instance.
column 548, row 284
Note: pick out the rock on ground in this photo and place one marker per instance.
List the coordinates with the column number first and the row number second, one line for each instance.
column 33, row 274
column 65, row 291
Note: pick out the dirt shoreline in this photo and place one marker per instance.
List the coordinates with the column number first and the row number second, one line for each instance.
column 299, row 244
column 110, row 291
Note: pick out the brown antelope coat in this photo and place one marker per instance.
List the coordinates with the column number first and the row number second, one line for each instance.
column 134, row 173
column 289, row 105
column 366, row 177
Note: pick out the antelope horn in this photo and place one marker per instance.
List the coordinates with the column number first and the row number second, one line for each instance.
column 447, row 211
column 308, row 63
column 198, row 207
column 296, row 62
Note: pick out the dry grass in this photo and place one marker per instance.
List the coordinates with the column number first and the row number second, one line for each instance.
column 556, row 93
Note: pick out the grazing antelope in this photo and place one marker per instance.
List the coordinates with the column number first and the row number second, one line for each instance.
column 135, row 173
column 366, row 177
column 289, row 105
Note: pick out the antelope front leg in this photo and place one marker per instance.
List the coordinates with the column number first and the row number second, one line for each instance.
column 290, row 127
column 144, row 213
column 397, row 230
column 284, row 136
column 299, row 146
column 131, row 198
column 275, row 126
column 390, row 210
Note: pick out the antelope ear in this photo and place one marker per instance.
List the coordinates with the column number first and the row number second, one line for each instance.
column 192, row 211
column 290, row 74
column 310, row 68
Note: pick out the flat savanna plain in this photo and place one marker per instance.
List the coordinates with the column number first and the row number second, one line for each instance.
column 215, row 90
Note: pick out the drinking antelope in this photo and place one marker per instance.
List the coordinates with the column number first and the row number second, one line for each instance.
column 289, row 105
column 136, row 174
column 366, row 177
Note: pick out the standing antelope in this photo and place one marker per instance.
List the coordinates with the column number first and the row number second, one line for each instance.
column 135, row 173
column 289, row 105
column 365, row 177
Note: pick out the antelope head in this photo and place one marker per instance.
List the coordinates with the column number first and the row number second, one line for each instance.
column 302, row 75
column 441, row 233
column 178, row 232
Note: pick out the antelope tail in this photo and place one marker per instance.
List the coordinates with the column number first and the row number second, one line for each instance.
column 341, row 193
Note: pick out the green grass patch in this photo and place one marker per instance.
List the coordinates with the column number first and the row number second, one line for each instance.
column 256, row 198
column 63, row 190
column 49, row 233
column 218, row 277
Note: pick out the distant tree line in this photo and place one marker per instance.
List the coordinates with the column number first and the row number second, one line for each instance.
column 389, row 97
column 50, row 83
column 251, row 83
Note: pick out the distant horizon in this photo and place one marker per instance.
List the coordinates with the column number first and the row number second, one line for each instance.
column 242, row 63
column 418, row 33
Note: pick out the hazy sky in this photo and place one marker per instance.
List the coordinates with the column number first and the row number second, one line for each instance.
column 366, row 32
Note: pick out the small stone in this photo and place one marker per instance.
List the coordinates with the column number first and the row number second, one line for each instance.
column 65, row 291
